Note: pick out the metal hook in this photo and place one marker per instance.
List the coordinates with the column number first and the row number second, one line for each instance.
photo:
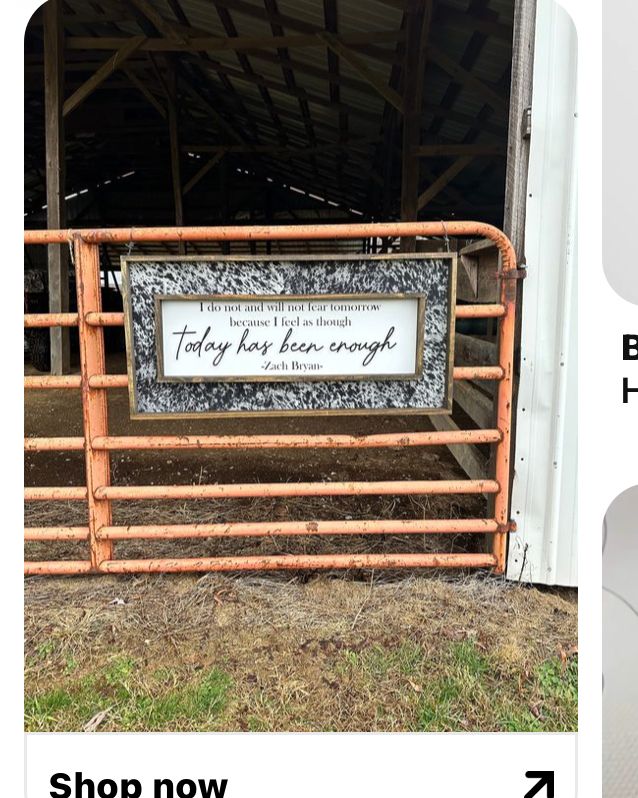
column 446, row 236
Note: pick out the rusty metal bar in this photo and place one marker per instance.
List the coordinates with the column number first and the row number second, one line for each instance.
column 121, row 380
column 299, row 562
column 108, row 381
column 53, row 444
column 114, row 319
column 50, row 319
column 45, row 494
column 102, row 319
column 94, row 402
column 264, row 489
column 135, row 442
column 479, row 311
column 48, row 381
column 284, row 232
column 42, row 533
column 57, row 568
column 502, row 468
column 478, row 373
column 287, row 528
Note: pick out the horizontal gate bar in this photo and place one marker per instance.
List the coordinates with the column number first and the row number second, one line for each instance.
column 55, row 494
column 50, row 319
column 121, row 380
column 283, row 232
column 132, row 442
column 104, row 319
column 35, row 533
column 57, row 567
column 257, row 490
column 479, row 311
column 111, row 319
column 53, row 444
column 52, row 381
column 299, row 561
column 478, row 373
column 392, row 526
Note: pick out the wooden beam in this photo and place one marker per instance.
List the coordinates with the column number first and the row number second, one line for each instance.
column 359, row 65
column 114, row 63
column 290, row 80
column 466, row 455
column 455, row 150
column 219, row 119
column 464, row 76
column 232, row 33
column 518, row 142
column 292, row 23
column 163, row 26
column 210, row 44
column 494, row 129
column 205, row 169
column 139, row 84
column 418, row 20
column 57, row 254
column 474, row 21
column 472, row 351
column 478, row 406
column 173, row 130
column 441, row 182
column 283, row 151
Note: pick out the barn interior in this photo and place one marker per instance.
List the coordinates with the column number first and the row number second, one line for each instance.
column 219, row 112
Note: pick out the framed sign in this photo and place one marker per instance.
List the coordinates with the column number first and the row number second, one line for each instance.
column 212, row 338
column 286, row 335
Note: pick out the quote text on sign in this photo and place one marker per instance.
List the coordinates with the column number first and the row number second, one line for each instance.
column 275, row 338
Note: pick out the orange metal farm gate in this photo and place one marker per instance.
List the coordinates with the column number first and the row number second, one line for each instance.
column 100, row 533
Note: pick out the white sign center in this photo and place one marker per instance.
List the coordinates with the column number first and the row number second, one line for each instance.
column 274, row 338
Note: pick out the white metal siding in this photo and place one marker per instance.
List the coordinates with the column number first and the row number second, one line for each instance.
column 545, row 483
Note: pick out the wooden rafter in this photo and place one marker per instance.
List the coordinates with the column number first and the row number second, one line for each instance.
column 203, row 171
column 146, row 92
column 418, row 22
column 291, row 23
column 210, row 44
column 447, row 150
column 456, row 71
column 358, row 64
column 289, row 76
column 442, row 181
column 115, row 62
column 244, row 62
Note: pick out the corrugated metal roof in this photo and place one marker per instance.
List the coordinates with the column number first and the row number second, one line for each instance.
column 268, row 95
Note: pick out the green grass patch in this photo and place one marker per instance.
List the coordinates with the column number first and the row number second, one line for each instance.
column 132, row 700
column 460, row 687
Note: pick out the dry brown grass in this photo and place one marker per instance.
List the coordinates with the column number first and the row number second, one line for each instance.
column 328, row 654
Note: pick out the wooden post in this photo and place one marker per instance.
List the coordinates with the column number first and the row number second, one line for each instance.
column 418, row 16
column 516, row 172
column 173, row 130
column 518, row 138
column 57, row 256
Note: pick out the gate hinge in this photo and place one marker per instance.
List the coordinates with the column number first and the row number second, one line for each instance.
column 510, row 526
column 526, row 125
column 513, row 274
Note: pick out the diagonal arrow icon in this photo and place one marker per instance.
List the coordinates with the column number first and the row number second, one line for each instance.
column 545, row 779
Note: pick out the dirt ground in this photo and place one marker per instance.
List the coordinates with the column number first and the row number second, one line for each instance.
column 290, row 651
